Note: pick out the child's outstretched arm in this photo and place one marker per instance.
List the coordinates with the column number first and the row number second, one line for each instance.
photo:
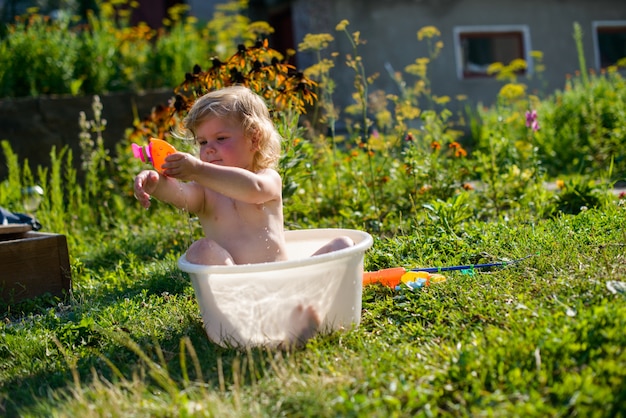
column 234, row 182
column 150, row 183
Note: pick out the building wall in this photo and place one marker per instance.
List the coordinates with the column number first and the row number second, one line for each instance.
column 390, row 29
column 203, row 9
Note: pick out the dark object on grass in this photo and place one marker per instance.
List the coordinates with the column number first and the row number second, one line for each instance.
column 7, row 217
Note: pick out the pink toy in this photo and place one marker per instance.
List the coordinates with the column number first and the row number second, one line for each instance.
column 154, row 153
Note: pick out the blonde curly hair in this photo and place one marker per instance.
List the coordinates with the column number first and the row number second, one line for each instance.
column 240, row 105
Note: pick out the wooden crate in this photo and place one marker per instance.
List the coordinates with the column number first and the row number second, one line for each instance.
column 32, row 264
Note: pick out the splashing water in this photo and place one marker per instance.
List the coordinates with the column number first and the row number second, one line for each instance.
column 185, row 211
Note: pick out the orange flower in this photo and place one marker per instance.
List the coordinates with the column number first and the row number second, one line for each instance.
column 468, row 186
column 454, row 145
column 435, row 145
column 460, row 152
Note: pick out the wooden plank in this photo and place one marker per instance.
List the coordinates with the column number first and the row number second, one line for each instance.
column 34, row 265
column 12, row 231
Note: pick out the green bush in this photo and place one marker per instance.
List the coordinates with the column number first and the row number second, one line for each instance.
column 39, row 55
column 580, row 128
column 585, row 126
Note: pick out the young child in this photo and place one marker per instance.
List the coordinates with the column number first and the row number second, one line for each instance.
column 233, row 187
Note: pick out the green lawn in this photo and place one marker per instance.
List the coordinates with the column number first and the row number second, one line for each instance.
column 543, row 337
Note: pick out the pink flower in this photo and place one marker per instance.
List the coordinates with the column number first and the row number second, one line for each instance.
column 531, row 120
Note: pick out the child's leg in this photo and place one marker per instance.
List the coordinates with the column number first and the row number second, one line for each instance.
column 208, row 252
column 336, row 244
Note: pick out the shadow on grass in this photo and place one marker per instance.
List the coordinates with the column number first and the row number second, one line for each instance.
column 22, row 394
column 101, row 344
column 111, row 256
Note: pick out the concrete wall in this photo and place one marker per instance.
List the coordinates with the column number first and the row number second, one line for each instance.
column 33, row 125
column 203, row 9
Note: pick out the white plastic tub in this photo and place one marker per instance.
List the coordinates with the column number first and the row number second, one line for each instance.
column 259, row 304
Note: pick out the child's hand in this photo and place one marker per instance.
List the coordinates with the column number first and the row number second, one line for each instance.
column 181, row 166
column 145, row 184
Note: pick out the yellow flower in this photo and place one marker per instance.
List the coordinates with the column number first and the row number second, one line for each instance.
column 260, row 28
column 317, row 70
column 560, row 184
column 538, row 55
column 315, row 42
column 442, row 100
column 517, row 64
column 495, row 68
column 342, row 25
column 512, row 91
column 419, row 68
column 427, row 32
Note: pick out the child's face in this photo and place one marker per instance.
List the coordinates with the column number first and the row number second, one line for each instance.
column 223, row 142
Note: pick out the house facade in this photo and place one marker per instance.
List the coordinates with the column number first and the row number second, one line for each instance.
column 474, row 33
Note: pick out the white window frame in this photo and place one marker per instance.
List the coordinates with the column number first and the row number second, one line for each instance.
column 461, row 30
column 597, row 24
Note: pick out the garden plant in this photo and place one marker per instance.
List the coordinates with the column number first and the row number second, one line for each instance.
column 542, row 337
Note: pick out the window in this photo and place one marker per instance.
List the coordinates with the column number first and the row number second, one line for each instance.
column 477, row 47
column 609, row 38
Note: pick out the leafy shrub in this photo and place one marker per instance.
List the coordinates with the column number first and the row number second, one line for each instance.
column 39, row 55
column 585, row 125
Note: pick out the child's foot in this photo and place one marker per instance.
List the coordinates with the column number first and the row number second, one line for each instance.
column 304, row 324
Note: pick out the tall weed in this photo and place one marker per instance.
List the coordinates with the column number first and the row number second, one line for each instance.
column 10, row 188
